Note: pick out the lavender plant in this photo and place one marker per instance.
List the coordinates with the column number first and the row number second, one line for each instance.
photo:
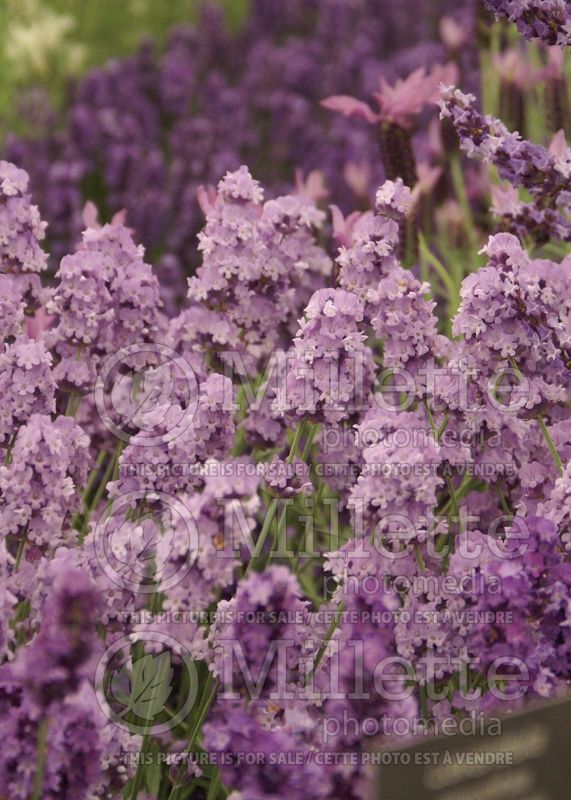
column 324, row 506
column 537, row 19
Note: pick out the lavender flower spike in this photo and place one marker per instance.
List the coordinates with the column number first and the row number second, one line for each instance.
column 548, row 20
column 546, row 175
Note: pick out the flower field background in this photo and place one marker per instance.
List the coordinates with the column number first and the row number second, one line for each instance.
column 284, row 388
column 49, row 43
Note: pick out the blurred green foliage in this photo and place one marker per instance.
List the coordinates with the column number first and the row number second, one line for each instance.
column 48, row 43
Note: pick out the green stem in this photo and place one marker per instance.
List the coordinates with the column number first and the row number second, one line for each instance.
column 93, row 475
column 21, row 549
column 41, row 762
column 138, row 779
column 278, row 534
column 443, row 426
column 209, row 693
column 550, row 445
column 449, row 283
column 255, row 558
column 210, row 690
column 8, row 456
column 330, row 631
column 295, row 443
column 69, row 406
column 423, row 703
column 214, row 786
column 110, row 473
column 73, row 403
column 270, row 513
column 465, row 487
column 543, row 427
column 462, row 195
column 419, row 558
column 309, row 442
column 92, row 479
column 503, row 502
column 490, row 84
column 448, row 479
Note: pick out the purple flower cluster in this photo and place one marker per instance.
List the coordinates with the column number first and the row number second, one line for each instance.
column 267, row 608
column 57, row 660
column 39, row 486
column 209, row 511
column 548, row 20
column 332, row 371
column 47, row 688
column 368, row 252
column 238, row 734
column 27, row 384
column 107, row 297
column 405, row 321
column 545, row 175
column 21, row 257
column 388, row 483
column 246, row 246
column 535, row 591
column 48, row 702
column 184, row 436
column 512, row 317
column 21, row 228
column 285, row 677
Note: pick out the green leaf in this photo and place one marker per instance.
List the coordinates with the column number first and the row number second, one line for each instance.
column 153, row 772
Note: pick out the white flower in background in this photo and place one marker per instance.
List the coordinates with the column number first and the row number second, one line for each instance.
column 36, row 43
column 138, row 7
